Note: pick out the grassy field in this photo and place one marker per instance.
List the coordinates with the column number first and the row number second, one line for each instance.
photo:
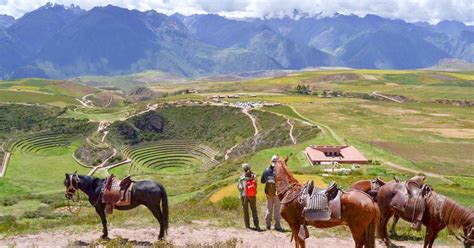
column 35, row 90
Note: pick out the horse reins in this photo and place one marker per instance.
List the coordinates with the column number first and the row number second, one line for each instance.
column 71, row 190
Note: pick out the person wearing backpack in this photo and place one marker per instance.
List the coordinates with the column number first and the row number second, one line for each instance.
column 273, row 203
column 248, row 195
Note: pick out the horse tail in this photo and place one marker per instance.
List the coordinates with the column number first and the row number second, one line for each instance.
column 369, row 234
column 164, row 208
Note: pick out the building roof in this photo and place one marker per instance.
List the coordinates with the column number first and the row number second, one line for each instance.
column 339, row 154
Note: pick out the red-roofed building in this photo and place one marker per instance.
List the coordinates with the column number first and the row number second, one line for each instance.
column 332, row 154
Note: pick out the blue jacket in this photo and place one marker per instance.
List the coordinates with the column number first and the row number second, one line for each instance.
column 268, row 173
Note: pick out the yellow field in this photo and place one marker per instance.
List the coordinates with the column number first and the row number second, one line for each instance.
column 231, row 190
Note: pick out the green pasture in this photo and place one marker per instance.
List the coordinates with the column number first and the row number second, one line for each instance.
column 8, row 96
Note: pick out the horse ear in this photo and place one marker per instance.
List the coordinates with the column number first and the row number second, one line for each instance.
column 67, row 175
column 286, row 159
column 75, row 172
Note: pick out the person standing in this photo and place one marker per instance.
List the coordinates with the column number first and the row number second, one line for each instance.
column 248, row 195
column 273, row 203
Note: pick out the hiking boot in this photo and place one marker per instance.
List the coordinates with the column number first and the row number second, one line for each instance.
column 258, row 229
column 416, row 225
column 279, row 229
column 269, row 227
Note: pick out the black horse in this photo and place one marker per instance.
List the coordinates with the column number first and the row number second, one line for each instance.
column 144, row 192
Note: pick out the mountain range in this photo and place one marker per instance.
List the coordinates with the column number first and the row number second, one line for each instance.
column 56, row 41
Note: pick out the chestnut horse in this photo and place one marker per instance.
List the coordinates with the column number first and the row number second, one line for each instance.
column 439, row 213
column 366, row 186
column 358, row 212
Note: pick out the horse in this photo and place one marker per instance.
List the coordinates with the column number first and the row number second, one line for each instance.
column 144, row 192
column 371, row 187
column 359, row 211
column 439, row 212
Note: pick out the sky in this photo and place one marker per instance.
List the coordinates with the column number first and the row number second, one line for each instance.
column 431, row 11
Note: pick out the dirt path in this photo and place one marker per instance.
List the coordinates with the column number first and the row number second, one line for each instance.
column 252, row 118
column 102, row 165
column 226, row 156
column 291, row 131
column 5, row 160
column 386, row 97
column 322, row 126
column 429, row 174
column 86, row 103
column 182, row 236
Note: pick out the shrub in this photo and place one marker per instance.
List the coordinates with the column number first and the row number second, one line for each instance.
column 42, row 212
column 8, row 201
column 229, row 203
column 7, row 222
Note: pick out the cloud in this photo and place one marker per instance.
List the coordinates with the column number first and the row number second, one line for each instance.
column 410, row 10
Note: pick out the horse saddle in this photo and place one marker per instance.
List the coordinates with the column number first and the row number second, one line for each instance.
column 321, row 204
column 411, row 200
column 117, row 192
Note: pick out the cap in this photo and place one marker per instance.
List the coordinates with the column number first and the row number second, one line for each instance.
column 275, row 158
column 246, row 166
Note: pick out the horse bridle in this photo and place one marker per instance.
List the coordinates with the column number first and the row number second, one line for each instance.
column 71, row 188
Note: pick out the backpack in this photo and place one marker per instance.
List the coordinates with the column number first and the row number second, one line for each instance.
column 250, row 187
column 270, row 186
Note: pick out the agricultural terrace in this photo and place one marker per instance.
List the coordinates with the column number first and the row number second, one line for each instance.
column 171, row 156
column 41, row 143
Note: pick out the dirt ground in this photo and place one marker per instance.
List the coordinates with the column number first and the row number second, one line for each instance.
column 181, row 236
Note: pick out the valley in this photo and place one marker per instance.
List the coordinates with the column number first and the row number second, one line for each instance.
column 194, row 143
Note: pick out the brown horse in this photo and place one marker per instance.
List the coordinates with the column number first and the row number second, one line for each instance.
column 359, row 212
column 371, row 187
column 439, row 212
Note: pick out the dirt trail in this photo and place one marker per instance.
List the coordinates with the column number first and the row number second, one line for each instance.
column 102, row 165
column 86, row 103
column 429, row 174
column 291, row 131
column 182, row 236
column 253, row 119
column 322, row 126
column 5, row 160
column 386, row 97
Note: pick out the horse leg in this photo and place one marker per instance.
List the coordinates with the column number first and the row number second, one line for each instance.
column 383, row 228
column 393, row 233
column 431, row 234
column 358, row 236
column 101, row 212
column 156, row 211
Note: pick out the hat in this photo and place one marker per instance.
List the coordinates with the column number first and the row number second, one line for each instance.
column 246, row 166
column 275, row 158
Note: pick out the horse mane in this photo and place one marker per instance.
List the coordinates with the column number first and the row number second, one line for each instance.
column 455, row 215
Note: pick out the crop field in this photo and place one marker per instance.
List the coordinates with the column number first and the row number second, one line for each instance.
column 171, row 157
column 53, row 92
column 374, row 121
column 8, row 96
